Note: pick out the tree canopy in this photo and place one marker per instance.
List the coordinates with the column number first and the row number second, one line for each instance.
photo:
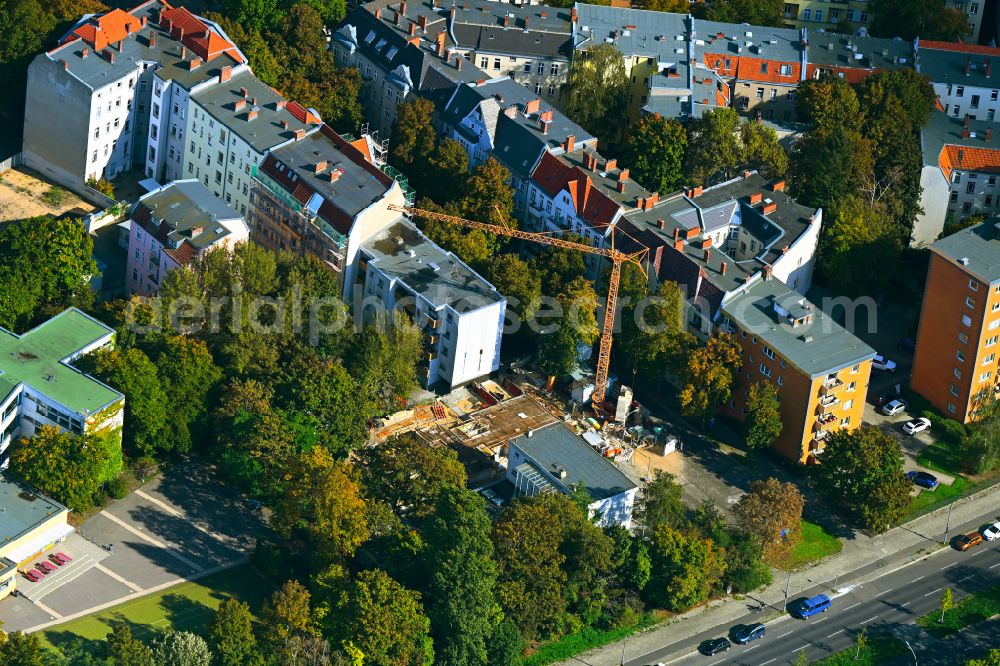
column 707, row 378
column 654, row 149
column 763, row 421
column 771, row 512
column 596, row 91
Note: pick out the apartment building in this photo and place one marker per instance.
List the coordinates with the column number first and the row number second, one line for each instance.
column 231, row 126
column 955, row 363
column 961, row 167
column 31, row 524
column 962, row 76
column 172, row 225
column 827, row 15
column 973, row 10
column 714, row 241
column 554, row 459
column 854, row 57
column 39, row 385
column 399, row 50
column 461, row 313
column 110, row 97
column 819, row 369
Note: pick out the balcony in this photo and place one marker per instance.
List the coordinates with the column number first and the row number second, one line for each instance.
column 831, row 386
column 431, row 355
column 825, row 423
column 827, row 404
column 429, row 323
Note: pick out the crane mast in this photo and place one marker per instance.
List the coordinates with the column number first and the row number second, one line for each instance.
column 616, row 256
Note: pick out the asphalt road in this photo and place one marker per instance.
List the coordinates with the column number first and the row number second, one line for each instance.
column 892, row 602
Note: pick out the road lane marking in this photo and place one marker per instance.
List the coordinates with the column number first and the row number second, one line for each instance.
column 160, row 503
column 836, row 632
column 949, row 566
column 804, row 647
column 768, row 661
column 966, row 578
column 869, row 619
column 933, row 592
column 906, row 604
column 995, row 565
column 850, row 607
column 883, row 592
column 917, row 578
column 784, row 634
column 108, row 572
column 147, row 538
column 825, row 617
column 752, row 648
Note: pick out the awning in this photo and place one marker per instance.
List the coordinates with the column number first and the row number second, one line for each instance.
column 39, row 542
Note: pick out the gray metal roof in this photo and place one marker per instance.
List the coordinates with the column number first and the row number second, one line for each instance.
column 557, row 447
column 187, row 205
column 816, row 348
column 632, row 31
column 976, row 249
column 401, row 251
column 944, row 130
column 532, row 30
column 947, row 66
column 23, row 509
column 763, row 42
column 838, row 50
column 263, row 132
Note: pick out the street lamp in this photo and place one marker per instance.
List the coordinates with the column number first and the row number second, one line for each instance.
column 947, row 527
column 623, row 652
column 912, row 652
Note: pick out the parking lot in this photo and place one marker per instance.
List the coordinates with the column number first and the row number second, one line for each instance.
column 176, row 527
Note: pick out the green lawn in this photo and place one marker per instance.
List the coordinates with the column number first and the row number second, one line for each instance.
column 185, row 607
column 816, row 544
column 881, row 649
column 928, row 500
column 942, row 456
column 973, row 608
column 583, row 640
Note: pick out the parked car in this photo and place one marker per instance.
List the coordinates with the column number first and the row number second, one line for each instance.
column 967, row 541
column 882, row 363
column 811, row 606
column 714, row 646
column 991, row 532
column 45, row 567
column 64, row 556
column 33, row 576
column 923, row 479
column 54, row 559
column 749, row 633
column 907, row 345
column 893, row 407
column 491, row 497
column 916, row 425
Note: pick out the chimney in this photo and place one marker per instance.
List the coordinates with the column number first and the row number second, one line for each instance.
column 572, row 15
column 180, row 34
column 545, row 127
column 640, row 203
column 239, row 104
column 677, row 233
column 651, row 200
column 767, row 272
column 195, row 63
column 284, row 124
column 620, row 187
column 506, row 21
column 396, row 17
column 152, row 39
column 679, row 244
column 84, row 53
column 770, row 208
column 989, row 134
column 225, row 74
column 661, row 224
column 422, row 21
column 965, row 121
column 111, row 55
column 320, row 166
column 378, row 14
column 414, row 40
column 533, row 106
column 746, row 174
column 168, row 25
column 252, row 115
column 413, row 28
column 65, row 65
column 458, row 61
column 454, row 10
column 440, row 43
column 335, row 175
column 965, row 131
column 622, row 175
column 143, row 21
column 569, row 143
column 784, row 250
column 779, row 186
column 968, row 66
column 299, row 134
column 184, row 52
column 526, row 22
column 696, row 192
column 435, row 4
column 280, row 105
column 254, row 101
column 706, row 242
column 722, row 268
column 756, row 198
column 244, row 92
column 118, row 45
column 610, row 165
column 402, row 8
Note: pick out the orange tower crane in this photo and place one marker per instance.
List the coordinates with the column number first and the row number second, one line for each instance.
column 617, row 258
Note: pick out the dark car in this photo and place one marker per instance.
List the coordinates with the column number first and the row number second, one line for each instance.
column 714, row 646
column 748, row 633
column 907, row 345
column 923, row 479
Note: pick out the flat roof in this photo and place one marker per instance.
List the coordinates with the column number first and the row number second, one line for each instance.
column 976, row 249
column 748, row 41
column 947, row 65
column 834, row 49
column 23, row 509
column 402, row 252
column 632, row 31
column 815, row 348
column 35, row 358
column 944, row 130
column 555, row 447
column 231, row 102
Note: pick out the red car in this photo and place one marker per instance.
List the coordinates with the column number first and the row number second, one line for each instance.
column 64, row 557
column 31, row 575
column 45, row 567
column 56, row 560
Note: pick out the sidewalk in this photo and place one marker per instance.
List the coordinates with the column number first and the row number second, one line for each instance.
column 863, row 559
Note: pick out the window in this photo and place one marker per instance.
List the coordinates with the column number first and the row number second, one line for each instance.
column 953, row 390
column 970, row 187
column 975, row 102
column 989, row 359
column 786, row 70
column 973, row 285
column 496, row 63
column 834, row 15
column 960, row 355
column 780, row 380
column 773, row 93
column 957, row 373
column 156, row 110
column 538, row 88
column 484, row 63
column 819, row 16
column 991, row 341
column 540, row 69
column 760, row 93
column 806, row 14
column 552, row 90
column 764, row 370
column 554, row 69
column 970, row 302
column 985, row 376
column 951, row 408
column 993, row 324
column 97, row 132
column 959, row 92
column 848, row 404
column 967, row 320
column 768, row 352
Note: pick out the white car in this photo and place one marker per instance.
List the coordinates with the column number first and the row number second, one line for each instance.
column 893, row 407
column 916, row 425
column 992, row 532
column 882, row 363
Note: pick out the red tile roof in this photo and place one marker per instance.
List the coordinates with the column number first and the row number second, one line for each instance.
column 966, row 158
column 591, row 205
column 960, row 47
column 718, row 63
column 301, row 114
column 108, row 28
column 183, row 254
column 196, row 35
column 753, row 69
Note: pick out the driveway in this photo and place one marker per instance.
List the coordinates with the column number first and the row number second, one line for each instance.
column 177, row 526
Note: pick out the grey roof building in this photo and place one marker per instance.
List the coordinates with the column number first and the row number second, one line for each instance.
column 976, row 249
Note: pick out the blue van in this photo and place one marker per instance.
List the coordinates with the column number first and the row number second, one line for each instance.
column 818, row 604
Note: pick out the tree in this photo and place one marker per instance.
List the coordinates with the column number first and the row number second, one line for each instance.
column 70, row 468
column 557, row 351
column 413, row 136
column 231, row 635
column 947, row 603
column 685, row 568
column 323, row 497
column 862, row 471
column 384, row 362
column 448, row 165
column 124, row 650
column 20, row 649
column 858, row 244
column 182, row 648
column 713, row 151
column 860, row 642
column 660, row 503
column 653, row 332
column 462, row 578
column 630, row 561
column 409, row 475
column 672, row 6
column 260, row 16
column 189, row 375
column 827, row 102
column 488, row 197
column 287, row 614
column 596, row 91
column 57, row 254
column 991, row 659
column 505, row 645
column 771, row 512
column 754, row 12
column 761, row 151
column 520, row 283
column 763, row 423
column 330, row 10
column 927, row 19
column 654, row 149
column 801, row 659
column 981, row 447
column 708, row 377
column 829, row 165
